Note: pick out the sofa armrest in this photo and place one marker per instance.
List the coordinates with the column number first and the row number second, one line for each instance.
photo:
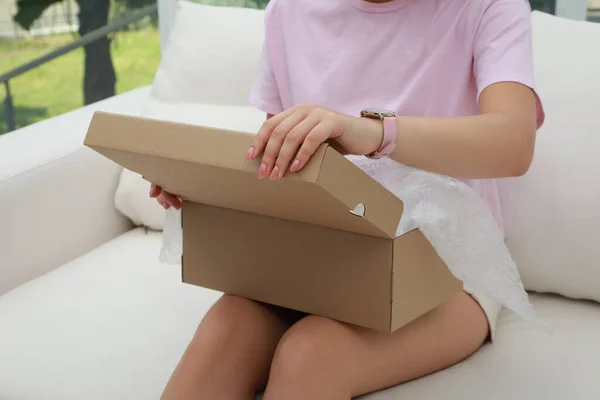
column 56, row 196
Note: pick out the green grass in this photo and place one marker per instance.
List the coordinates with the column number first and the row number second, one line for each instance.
column 233, row 3
column 56, row 87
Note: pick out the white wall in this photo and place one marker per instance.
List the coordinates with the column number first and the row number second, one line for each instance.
column 573, row 9
column 166, row 13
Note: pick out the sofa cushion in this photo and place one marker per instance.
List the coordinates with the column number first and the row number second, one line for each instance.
column 52, row 190
column 114, row 323
column 111, row 324
column 551, row 214
column 524, row 363
column 212, row 55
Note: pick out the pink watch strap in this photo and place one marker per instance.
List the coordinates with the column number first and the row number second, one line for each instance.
column 389, row 139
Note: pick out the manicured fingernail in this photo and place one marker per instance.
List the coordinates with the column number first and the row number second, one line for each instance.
column 262, row 171
column 295, row 166
column 250, row 153
column 274, row 173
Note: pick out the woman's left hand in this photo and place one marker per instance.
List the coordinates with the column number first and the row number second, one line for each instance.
column 289, row 139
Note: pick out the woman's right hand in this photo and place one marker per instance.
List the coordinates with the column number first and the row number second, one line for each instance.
column 165, row 199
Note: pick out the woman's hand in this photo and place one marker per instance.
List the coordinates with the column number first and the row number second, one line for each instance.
column 290, row 138
column 165, row 199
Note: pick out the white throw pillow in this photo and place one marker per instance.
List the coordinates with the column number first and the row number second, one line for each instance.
column 204, row 78
column 552, row 214
column 212, row 55
column 237, row 118
column 133, row 200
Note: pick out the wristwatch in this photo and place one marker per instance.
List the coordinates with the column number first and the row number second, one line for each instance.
column 389, row 130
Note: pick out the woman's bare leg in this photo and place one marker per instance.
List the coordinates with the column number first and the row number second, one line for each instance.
column 322, row 359
column 230, row 354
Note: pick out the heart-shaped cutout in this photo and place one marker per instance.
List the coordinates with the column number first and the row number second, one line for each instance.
column 359, row 210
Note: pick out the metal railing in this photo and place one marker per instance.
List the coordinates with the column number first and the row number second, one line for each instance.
column 82, row 41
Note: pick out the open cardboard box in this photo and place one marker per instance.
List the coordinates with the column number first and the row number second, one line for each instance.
column 322, row 240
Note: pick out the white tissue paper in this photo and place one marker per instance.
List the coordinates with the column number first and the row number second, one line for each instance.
column 455, row 220
column 461, row 228
column 172, row 244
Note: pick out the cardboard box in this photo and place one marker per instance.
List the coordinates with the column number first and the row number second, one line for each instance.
column 301, row 242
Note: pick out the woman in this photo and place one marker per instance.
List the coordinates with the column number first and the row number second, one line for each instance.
column 455, row 80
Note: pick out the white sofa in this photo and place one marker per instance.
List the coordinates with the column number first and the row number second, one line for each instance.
column 87, row 312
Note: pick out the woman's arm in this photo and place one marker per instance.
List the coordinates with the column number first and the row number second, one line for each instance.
column 497, row 143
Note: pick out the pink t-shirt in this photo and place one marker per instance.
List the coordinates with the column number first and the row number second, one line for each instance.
column 416, row 57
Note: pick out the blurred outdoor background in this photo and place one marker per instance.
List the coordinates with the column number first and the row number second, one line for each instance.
column 123, row 60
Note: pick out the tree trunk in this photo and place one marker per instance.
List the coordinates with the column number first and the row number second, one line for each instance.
column 99, row 74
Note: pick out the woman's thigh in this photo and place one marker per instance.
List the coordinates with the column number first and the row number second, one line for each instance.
column 231, row 351
column 353, row 361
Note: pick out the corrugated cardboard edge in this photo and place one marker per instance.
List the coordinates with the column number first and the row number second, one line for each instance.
column 421, row 279
column 392, row 275
column 182, row 249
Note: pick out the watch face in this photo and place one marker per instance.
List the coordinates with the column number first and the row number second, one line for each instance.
column 377, row 113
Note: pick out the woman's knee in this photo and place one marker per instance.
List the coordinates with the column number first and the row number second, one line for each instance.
column 306, row 349
column 231, row 315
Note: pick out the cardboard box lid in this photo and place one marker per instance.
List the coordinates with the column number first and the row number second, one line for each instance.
column 206, row 165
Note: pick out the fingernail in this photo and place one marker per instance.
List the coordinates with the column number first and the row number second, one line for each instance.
column 295, row 166
column 274, row 173
column 262, row 171
column 250, row 153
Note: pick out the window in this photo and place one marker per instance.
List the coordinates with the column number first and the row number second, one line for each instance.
column 575, row 9
column 548, row 6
